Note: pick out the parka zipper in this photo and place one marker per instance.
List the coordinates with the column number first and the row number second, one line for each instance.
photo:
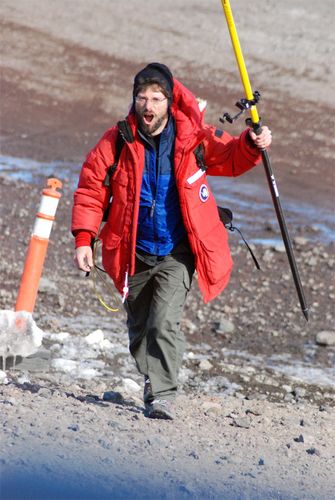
column 152, row 209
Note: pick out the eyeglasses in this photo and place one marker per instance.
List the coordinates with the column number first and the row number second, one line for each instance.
column 155, row 101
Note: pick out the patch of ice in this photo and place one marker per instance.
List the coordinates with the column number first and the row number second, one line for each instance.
column 96, row 337
column 107, row 344
column 64, row 365
column 78, row 369
column 57, row 337
column 306, row 373
column 287, row 365
column 3, row 378
column 88, row 373
column 19, row 334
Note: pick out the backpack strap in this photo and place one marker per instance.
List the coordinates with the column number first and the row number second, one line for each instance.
column 124, row 134
column 199, row 153
column 125, row 131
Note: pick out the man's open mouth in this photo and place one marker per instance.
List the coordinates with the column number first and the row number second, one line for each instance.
column 148, row 117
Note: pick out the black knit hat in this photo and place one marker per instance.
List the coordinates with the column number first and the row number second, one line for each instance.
column 154, row 73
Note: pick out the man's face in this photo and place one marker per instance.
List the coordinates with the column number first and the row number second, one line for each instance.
column 151, row 107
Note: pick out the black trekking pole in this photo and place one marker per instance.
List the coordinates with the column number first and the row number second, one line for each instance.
column 250, row 104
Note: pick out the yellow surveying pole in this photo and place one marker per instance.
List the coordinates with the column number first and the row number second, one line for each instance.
column 239, row 58
column 250, row 104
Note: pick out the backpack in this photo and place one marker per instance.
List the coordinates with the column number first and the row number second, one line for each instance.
column 125, row 135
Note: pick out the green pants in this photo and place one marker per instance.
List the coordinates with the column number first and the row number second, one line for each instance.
column 154, row 307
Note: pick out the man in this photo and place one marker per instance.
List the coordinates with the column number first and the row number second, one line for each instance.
column 163, row 221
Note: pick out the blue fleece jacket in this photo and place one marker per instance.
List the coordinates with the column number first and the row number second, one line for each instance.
column 160, row 224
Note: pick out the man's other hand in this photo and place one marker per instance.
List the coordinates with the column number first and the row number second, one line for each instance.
column 83, row 258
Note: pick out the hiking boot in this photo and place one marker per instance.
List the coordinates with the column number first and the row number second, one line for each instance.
column 147, row 392
column 160, row 408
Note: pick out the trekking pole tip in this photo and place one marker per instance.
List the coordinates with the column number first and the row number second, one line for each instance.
column 306, row 313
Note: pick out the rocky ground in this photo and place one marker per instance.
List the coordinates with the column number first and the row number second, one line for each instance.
column 255, row 415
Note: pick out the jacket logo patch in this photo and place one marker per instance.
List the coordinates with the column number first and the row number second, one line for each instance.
column 203, row 193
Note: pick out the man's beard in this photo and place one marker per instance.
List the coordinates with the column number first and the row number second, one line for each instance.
column 150, row 128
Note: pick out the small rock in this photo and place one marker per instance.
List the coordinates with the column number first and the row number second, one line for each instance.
column 194, row 455
column 130, row 385
column 288, row 452
column 288, row 398
column 256, row 413
column 269, row 227
column 33, row 388
column 91, row 398
column 299, row 439
column 300, row 241
column 45, row 393
column 58, row 394
column 8, row 401
column 47, row 286
column 242, row 422
column 104, row 444
column 113, row 397
column 211, row 407
column 189, row 326
column 279, row 248
column 227, row 309
column 325, row 338
column 205, row 365
column 95, row 337
column 200, row 316
column 224, row 326
column 261, row 461
column 255, row 395
column 156, row 441
column 268, row 255
column 115, row 425
column 73, row 427
column 299, row 392
column 312, row 261
column 313, row 451
column 22, row 379
column 185, row 491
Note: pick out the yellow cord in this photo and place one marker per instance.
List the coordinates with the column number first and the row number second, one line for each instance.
column 95, row 273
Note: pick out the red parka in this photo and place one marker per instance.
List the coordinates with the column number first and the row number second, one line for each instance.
column 224, row 155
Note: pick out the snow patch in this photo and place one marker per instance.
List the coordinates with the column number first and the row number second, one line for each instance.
column 19, row 334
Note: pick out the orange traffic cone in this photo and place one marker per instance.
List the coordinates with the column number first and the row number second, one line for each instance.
column 38, row 247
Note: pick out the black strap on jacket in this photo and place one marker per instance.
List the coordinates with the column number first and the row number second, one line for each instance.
column 124, row 134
